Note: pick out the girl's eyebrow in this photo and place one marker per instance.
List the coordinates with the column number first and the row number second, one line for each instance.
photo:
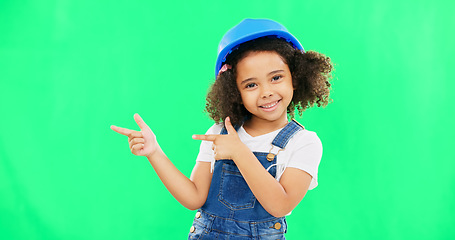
column 246, row 80
column 270, row 73
column 274, row 72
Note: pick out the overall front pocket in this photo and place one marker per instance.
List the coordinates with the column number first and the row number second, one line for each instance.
column 234, row 191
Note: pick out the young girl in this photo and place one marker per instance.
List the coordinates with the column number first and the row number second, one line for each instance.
column 255, row 168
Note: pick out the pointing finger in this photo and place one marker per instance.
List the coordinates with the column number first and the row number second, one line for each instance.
column 123, row 131
column 205, row 137
column 140, row 122
column 227, row 123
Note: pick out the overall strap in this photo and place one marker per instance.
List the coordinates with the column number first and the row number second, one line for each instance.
column 283, row 137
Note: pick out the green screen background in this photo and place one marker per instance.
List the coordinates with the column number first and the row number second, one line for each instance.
column 70, row 69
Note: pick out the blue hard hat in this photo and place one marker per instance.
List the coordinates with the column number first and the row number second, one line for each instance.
column 250, row 29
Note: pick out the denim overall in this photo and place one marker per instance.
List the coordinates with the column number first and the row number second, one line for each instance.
column 231, row 210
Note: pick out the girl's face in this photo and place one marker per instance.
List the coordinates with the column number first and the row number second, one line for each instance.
column 265, row 84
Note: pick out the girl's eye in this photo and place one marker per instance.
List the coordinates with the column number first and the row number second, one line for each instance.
column 276, row 78
column 251, row 85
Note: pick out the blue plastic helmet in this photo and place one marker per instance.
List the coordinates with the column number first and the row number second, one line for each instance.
column 250, row 29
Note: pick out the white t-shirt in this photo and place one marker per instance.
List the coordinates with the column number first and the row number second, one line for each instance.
column 303, row 151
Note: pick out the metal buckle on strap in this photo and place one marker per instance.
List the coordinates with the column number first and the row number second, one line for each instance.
column 271, row 155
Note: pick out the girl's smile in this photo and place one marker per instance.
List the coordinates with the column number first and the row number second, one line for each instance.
column 265, row 84
column 271, row 106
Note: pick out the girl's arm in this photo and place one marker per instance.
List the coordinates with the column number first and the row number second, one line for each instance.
column 277, row 198
column 191, row 193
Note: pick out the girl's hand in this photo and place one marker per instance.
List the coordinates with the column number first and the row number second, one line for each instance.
column 142, row 143
column 224, row 146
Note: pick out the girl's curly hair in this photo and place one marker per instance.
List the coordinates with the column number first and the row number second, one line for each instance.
column 311, row 72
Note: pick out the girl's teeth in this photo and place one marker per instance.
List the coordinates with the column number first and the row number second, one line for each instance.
column 271, row 105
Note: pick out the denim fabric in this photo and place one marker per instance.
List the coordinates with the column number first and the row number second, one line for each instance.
column 231, row 210
column 282, row 139
column 210, row 227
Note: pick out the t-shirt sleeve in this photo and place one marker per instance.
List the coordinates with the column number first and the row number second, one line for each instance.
column 205, row 149
column 308, row 156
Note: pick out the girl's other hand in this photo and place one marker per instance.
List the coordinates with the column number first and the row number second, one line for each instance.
column 224, row 146
column 142, row 143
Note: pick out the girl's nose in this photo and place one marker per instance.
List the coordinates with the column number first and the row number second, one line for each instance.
column 267, row 91
column 267, row 94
